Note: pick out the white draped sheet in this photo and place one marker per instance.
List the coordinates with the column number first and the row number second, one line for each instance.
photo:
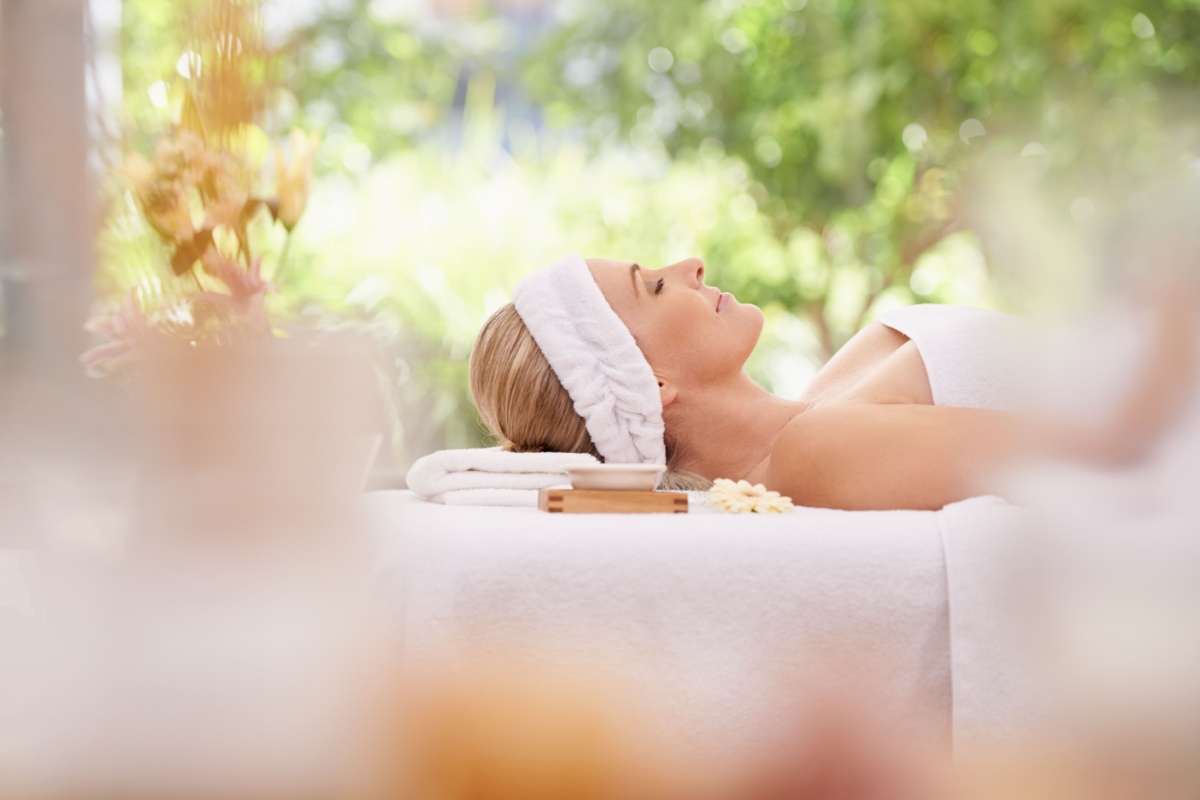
column 713, row 615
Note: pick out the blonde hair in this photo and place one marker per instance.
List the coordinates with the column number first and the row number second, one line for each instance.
column 522, row 403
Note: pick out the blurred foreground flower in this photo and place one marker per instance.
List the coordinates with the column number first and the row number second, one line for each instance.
column 742, row 496
column 162, row 197
column 294, row 177
column 519, row 730
column 200, row 193
column 243, row 308
column 122, row 331
column 198, row 198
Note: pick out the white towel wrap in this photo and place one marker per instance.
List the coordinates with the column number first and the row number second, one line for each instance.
column 596, row 359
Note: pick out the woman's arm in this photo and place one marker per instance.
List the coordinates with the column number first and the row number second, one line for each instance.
column 923, row 457
column 883, row 457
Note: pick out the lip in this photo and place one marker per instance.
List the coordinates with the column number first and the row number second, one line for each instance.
column 721, row 300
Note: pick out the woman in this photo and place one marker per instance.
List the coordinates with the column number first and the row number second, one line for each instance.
column 646, row 365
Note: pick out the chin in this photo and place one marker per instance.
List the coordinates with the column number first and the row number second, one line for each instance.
column 754, row 317
column 750, row 325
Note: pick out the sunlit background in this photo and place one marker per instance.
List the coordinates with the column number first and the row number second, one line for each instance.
column 820, row 155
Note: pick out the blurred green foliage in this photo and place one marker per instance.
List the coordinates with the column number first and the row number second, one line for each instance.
column 858, row 119
column 817, row 153
column 374, row 78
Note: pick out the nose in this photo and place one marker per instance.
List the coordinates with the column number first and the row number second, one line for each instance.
column 691, row 270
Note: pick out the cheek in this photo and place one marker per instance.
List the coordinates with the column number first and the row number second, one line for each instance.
column 676, row 343
column 685, row 342
column 713, row 347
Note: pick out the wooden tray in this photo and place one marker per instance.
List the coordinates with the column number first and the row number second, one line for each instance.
column 597, row 501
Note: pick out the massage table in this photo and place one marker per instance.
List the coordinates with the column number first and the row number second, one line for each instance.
column 716, row 617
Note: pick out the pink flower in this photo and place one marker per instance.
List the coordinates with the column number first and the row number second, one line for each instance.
column 243, row 284
column 125, row 329
column 247, row 291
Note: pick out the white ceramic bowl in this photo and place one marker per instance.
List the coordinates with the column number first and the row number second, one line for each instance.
column 615, row 477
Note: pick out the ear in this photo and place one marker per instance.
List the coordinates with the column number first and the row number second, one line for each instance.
column 666, row 390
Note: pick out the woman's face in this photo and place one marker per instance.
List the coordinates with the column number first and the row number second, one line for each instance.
column 690, row 333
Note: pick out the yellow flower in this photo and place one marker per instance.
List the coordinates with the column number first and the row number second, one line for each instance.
column 295, row 177
column 740, row 496
column 774, row 505
column 164, row 199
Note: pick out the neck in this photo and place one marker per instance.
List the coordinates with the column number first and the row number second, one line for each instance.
column 727, row 430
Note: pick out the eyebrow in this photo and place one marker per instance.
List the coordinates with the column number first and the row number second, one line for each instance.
column 633, row 276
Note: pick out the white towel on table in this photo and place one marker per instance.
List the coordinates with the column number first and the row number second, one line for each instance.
column 716, row 620
column 489, row 476
column 999, row 693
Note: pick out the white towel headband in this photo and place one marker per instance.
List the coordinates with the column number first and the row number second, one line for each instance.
column 596, row 360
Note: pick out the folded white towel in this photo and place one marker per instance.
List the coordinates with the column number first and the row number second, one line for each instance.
column 596, row 360
column 489, row 476
column 519, row 498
